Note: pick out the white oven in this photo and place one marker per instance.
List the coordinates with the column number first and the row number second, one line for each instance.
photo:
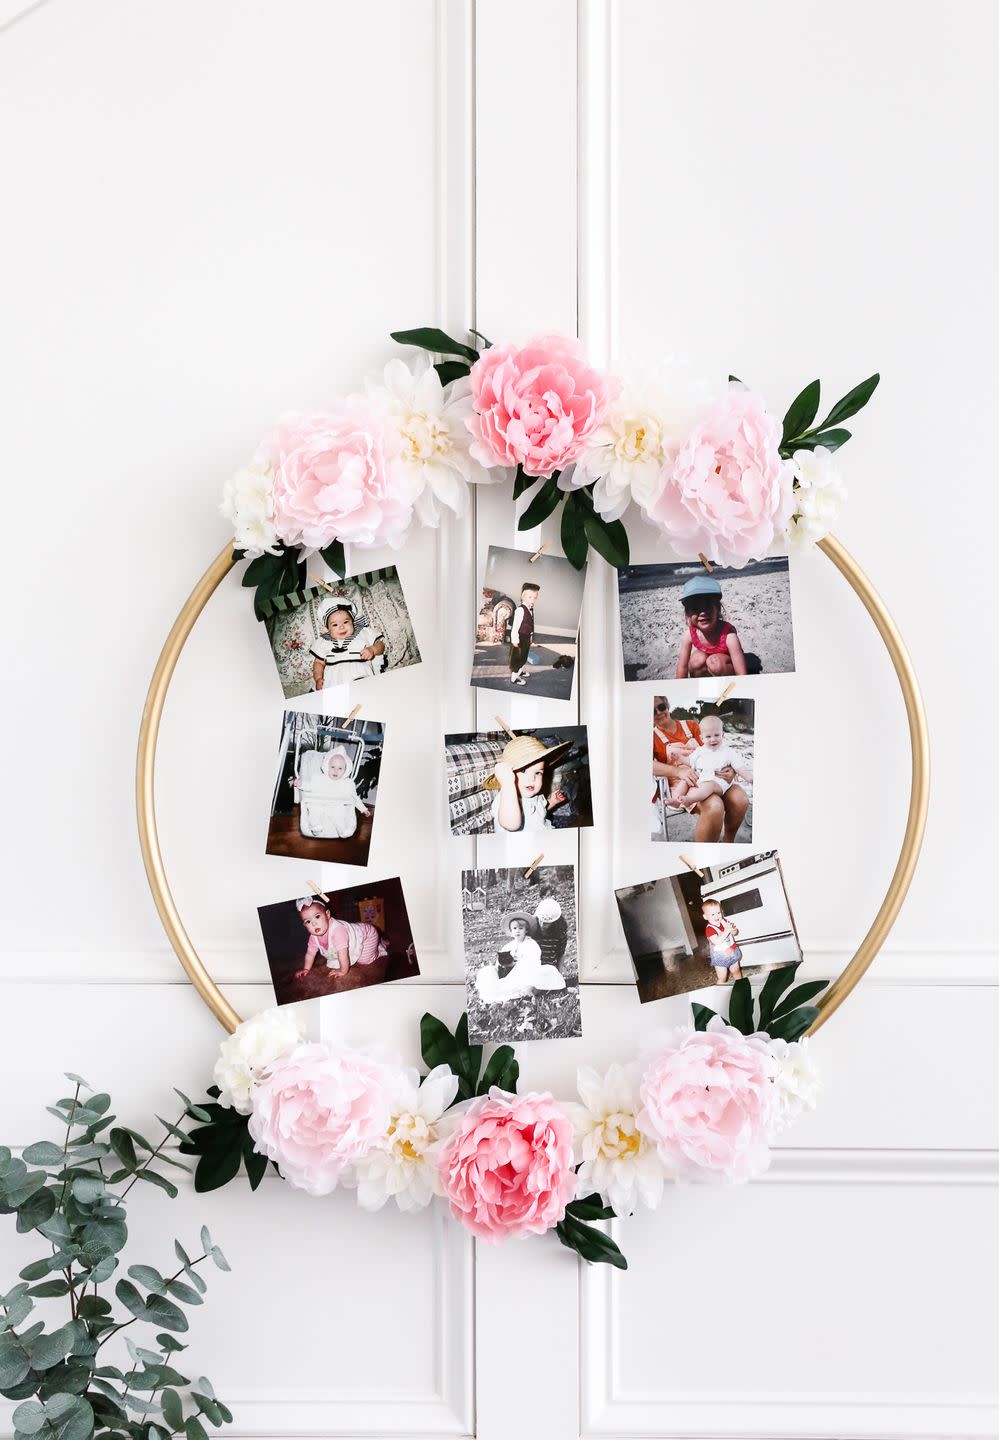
column 751, row 893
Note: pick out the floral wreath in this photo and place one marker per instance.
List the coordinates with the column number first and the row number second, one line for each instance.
column 719, row 478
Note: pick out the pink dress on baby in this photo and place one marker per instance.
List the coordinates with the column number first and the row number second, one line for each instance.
column 362, row 942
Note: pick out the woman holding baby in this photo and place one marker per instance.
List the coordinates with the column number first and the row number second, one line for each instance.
column 673, row 741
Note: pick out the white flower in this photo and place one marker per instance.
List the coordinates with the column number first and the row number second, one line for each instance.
column 434, row 440
column 247, row 502
column 615, row 1159
column 818, row 495
column 630, row 454
column 245, row 1055
column 797, row 1083
column 404, row 1166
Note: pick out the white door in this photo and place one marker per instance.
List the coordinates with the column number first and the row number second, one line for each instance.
column 217, row 212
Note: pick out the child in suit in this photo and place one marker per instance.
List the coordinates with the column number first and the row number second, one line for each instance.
column 522, row 633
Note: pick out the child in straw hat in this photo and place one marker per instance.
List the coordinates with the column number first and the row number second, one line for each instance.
column 519, row 778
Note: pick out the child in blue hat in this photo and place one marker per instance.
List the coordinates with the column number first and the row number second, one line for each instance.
column 711, row 646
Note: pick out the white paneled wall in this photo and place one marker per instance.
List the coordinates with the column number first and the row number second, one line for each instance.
column 218, row 212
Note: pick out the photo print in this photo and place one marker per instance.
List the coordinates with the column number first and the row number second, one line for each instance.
column 344, row 940
column 521, row 967
column 356, row 628
column 678, row 622
column 686, row 933
column 324, row 800
column 538, row 780
column 527, row 633
column 702, row 770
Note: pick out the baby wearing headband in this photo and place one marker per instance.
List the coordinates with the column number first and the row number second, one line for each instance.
column 346, row 652
column 341, row 943
column 330, row 803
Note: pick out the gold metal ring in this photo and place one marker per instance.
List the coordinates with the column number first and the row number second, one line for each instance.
column 872, row 942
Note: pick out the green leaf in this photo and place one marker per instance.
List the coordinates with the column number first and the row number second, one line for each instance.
column 14, row 1364
column 522, row 482
column 609, row 539
column 437, row 1044
column 740, row 1007
column 208, row 1408
column 591, row 1245
column 702, row 1014
column 168, row 1343
column 160, row 1311
column 831, row 439
column 124, row 1147
column 589, row 1207
column 23, row 1186
column 775, row 985
column 147, row 1277
column 34, row 1211
column 131, row 1299
column 486, row 344
column 44, row 1153
column 152, row 1178
column 801, row 412
column 334, row 557
column 219, row 1165
column 469, row 1060
column 186, row 1294
column 800, row 995
column 544, row 502
column 503, row 1070
column 254, row 1163
column 852, row 402
column 29, row 1418
column 196, row 1112
column 173, row 1410
column 87, row 1189
column 573, row 531
column 218, row 1259
column 76, row 1079
column 449, row 370
column 49, row 1289
column 194, row 1430
column 49, row 1349
column 427, row 337
column 794, row 1025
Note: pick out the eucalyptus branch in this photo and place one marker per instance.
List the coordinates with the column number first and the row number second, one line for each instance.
column 167, row 1283
column 152, row 1156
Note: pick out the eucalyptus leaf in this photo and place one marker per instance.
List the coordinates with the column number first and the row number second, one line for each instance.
column 173, row 1410
column 43, row 1153
column 152, row 1177
column 218, row 1259
column 34, row 1211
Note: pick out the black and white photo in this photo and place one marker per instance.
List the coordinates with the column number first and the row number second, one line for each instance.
column 702, row 770
column 334, row 634
column 682, row 622
column 528, row 782
column 521, row 962
column 323, row 805
column 528, row 627
column 685, row 932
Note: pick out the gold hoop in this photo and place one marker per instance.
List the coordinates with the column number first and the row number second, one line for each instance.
column 837, row 992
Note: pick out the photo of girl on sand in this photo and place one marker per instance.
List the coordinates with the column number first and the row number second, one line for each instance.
column 521, row 969
column 330, row 635
column 498, row 783
column 680, row 622
column 324, row 944
column 324, row 799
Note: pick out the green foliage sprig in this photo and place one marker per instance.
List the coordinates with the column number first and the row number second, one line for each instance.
column 73, row 1195
column 800, row 433
column 777, row 1014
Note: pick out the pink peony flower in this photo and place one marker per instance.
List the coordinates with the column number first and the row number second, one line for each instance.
column 507, row 1169
column 707, row 1102
column 535, row 407
column 338, row 476
column 728, row 493
column 317, row 1111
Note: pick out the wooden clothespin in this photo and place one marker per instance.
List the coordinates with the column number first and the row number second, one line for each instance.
column 705, row 562
column 533, row 865
column 352, row 716
column 315, row 580
column 691, row 866
column 316, row 890
column 725, row 693
column 539, row 552
column 504, row 726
